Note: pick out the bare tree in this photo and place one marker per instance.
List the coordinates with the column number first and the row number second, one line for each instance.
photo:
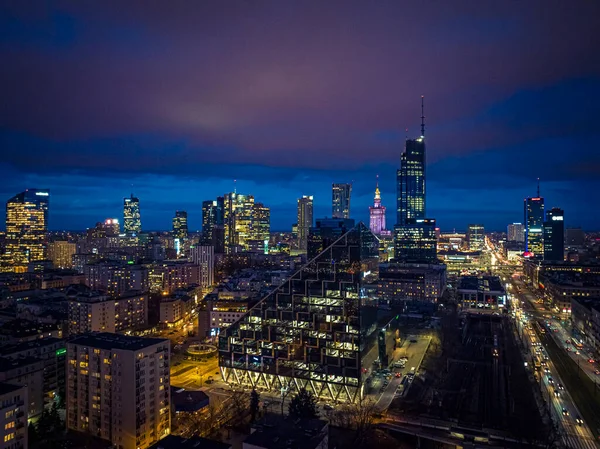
column 359, row 417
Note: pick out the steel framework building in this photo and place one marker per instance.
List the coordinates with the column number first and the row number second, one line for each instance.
column 309, row 332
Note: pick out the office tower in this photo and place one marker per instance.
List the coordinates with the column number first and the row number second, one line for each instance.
column 340, row 200
column 26, row 230
column 377, row 214
column 515, row 233
column 305, row 220
column 119, row 388
column 325, row 232
column 554, row 235
column 212, row 224
column 13, row 416
column 534, row 222
column 112, row 227
column 416, row 241
column 237, row 220
column 411, row 178
column 204, row 256
column 180, row 225
column 61, row 254
column 132, row 221
column 313, row 331
column 261, row 223
column 476, row 237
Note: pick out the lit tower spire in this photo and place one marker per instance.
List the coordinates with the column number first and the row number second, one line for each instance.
column 422, row 116
column 377, row 193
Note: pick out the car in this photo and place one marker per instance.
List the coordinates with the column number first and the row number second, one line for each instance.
column 561, row 387
column 591, row 360
column 568, row 349
column 557, row 393
column 546, row 370
column 565, row 412
column 579, row 421
column 413, row 341
column 398, row 375
column 550, row 380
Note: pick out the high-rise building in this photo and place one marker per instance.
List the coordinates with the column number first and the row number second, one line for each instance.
column 26, row 230
column 554, row 235
column 61, row 253
column 534, row 222
column 112, row 227
column 340, row 200
column 132, row 221
column 476, row 237
column 237, row 220
column 411, row 178
column 325, row 232
column 213, row 233
column 305, row 220
column 515, row 233
column 416, row 241
column 180, row 225
column 13, row 416
column 261, row 223
column 377, row 214
column 574, row 237
column 119, row 388
column 313, row 331
column 204, row 256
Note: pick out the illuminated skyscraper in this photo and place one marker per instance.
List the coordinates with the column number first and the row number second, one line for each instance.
column 411, row 178
column 61, row 254
column 340, row 200
column 112, row 227
column 476, row 237
column 305, row 220
column 132, row 222
column 554, row 235
column 377, row 213
column 180, row 225
column 534, row 222
column 212, row 224
column 515, row 233
column 416, row 241
column 261, row 223
column 26, row 228
column 237, row 220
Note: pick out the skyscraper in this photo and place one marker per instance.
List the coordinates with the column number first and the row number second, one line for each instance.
column 515, row 233
column 340, row 200
column 132, row 222
column 411, row 178
column 180, row 225
column 554, row 235
column 261, row 223
column 377, row 214
column 305, row 220
column 476, row 237
column 212, row 224
column 534, row 222
column 416, row 241
column 313, row 331
column 26, row 229
column 61, row 253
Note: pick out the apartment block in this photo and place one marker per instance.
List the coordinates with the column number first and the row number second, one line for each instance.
column 13, row 416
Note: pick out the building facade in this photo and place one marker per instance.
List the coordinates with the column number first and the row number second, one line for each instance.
column 411, row 282
column 411, row 182
column 554, row 235
column 515, row 233
column 119, row 388
column 132, row 219
column 213, row 232
column 61, row 254
column 476, row 237
column 534, row 222
column 377, row 214
column 204, row 256
column 13, row 416
column 416, row 241
column 26, row 230
column 180, row 225
column 340, row 200
column 310, row 332
column 305, row 220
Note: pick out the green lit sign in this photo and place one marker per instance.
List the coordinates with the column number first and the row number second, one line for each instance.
column 61, row 351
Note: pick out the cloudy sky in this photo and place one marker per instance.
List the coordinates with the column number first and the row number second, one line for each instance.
column 176, row 100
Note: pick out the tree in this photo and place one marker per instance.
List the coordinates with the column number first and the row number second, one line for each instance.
column 254, row 403
column 303, row 405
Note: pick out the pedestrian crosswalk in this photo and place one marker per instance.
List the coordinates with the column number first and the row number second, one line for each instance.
column 575, row 442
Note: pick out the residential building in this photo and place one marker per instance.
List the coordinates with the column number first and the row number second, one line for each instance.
column 29, row 373
column 61, row 253
column 411, row 282
column 119, row 388
column 515, row 233
column 204, row 256
column 13, row 416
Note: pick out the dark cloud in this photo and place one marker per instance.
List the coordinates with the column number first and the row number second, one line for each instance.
column 287, row 97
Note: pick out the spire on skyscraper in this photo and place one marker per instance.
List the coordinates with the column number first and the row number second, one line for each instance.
column 377, row 193
column 538, row 187
column 422, row 116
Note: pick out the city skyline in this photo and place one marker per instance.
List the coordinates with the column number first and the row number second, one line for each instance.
column 140, row 108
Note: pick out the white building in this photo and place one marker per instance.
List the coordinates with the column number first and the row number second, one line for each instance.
column 118, row 388
column 13, row 416
column 204, row 256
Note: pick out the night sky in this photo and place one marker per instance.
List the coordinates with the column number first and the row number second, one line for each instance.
column 179, row 99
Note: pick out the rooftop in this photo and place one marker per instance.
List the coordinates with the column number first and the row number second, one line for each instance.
column 188, row 400
column 24, row 346
column 177, row 442
column 106, row 340
column 7, row 364
column 8, row 388
column 276, row 432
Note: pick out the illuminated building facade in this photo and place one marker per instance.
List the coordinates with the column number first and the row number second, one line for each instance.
column 416, row 241
column 534, row 222
column 61, row 254
column 261, row 223
column 305, row 220
column 13, row 416
column 554, row 235
column 411, row 281
column 112, row 227
column 132, row 221
column 213, row 233
column 237, row 219
column 340, row 200
column 515, row 233
column 119, row 388
column 325, row 232
column 26, row 230
column 377, row 214
column 204, row 256
column 180, row 225
column 411, row 181
column 312, row 331
column 476, row 237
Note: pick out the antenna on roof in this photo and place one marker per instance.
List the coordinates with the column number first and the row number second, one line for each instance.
column 538, row 187
column 422, row 116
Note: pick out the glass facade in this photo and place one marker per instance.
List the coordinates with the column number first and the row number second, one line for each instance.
column 305, row 220
column 180, row 225
column 213, row 233
column 26, row 230
column 554, row 235
column 340, row 200
column 534, row 222
column 411, row 182
column 416, row 241
column 310, row 332
column 132, row 221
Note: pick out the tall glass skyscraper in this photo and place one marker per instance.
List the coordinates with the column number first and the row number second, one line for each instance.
column 305, row 220
column 340, row 200
column 180, row 225
column 313, row 331
column 132, row 221
column 534, row 222
column 554, row 235
column 213, row 233
column 26, row 229
column 411, row 182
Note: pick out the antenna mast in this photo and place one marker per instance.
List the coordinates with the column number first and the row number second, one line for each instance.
column 422, row 116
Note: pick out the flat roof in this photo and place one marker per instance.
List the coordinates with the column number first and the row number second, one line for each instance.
column 275, row 432
column 106, row 340
column 8, row 388
column 26, row 345
column 7, row 364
